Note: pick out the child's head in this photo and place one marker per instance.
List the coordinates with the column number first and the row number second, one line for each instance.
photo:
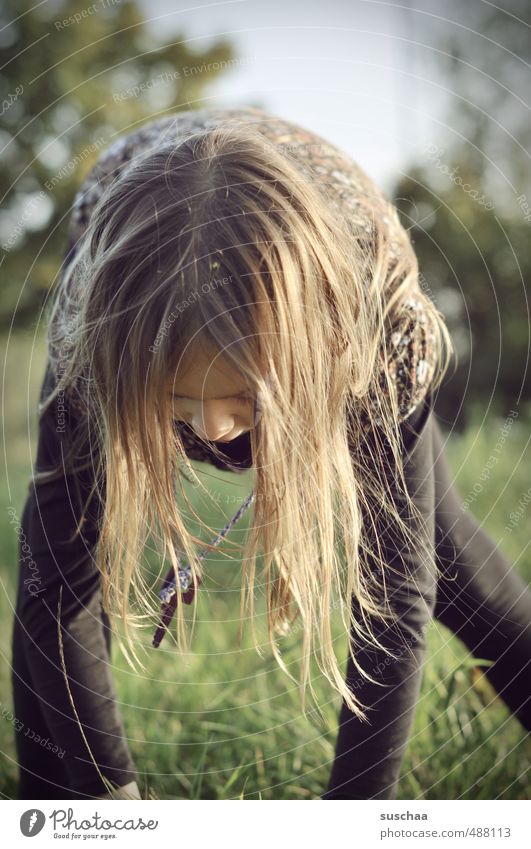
column 210, row 396
column 215, row 261
column 213, row 267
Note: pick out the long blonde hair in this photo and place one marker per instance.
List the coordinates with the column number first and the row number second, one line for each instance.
column 304, row 315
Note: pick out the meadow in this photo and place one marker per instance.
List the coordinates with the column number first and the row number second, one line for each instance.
column 224, row 722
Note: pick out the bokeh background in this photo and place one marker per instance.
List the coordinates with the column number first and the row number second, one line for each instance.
column 432, row 100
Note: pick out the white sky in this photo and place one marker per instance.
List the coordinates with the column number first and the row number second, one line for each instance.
column 362, row 73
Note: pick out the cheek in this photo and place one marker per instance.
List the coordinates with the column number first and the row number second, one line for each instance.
column 243, row 416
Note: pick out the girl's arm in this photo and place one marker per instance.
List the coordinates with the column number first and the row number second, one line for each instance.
column 368, row 758
column 83, row 718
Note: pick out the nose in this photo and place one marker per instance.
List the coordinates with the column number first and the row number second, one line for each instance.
column 212, row 425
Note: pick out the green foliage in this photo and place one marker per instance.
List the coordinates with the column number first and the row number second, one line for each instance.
column 467, row 204
column 69, row 86
column 475, row 263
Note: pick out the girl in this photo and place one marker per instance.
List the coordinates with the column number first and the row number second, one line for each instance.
column 237, row 290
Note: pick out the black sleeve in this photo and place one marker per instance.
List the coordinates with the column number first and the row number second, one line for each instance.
column 368, row 757
column 63, row 562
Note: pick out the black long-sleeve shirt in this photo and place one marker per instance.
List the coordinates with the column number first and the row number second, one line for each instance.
column 67, row 582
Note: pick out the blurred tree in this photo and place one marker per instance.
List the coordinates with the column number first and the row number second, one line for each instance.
column 74, row 76
column 467, row 204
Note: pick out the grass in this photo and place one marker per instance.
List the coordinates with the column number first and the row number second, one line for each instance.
column 224, row 722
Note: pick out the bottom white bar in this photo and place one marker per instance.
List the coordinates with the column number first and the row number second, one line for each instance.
column 316, row 823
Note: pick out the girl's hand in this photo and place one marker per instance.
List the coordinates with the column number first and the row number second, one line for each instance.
column 128, row 791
